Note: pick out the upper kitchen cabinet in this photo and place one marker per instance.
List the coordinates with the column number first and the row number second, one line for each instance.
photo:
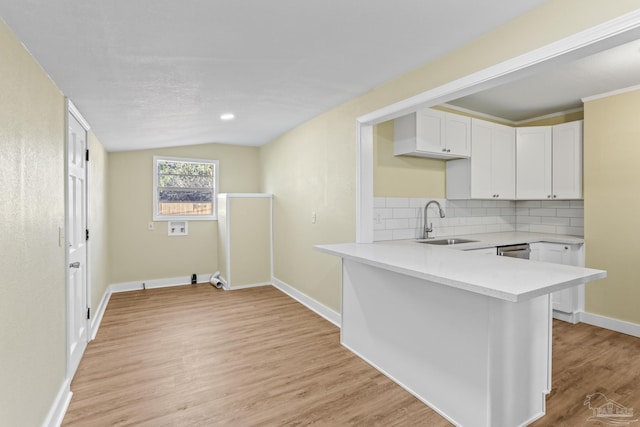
column 549, row 162
column 490, row 173
column 432, row 133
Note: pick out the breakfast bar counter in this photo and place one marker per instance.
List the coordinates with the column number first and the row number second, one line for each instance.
column 468, row 334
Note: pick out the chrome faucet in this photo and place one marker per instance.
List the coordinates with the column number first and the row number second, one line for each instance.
column 429, row 229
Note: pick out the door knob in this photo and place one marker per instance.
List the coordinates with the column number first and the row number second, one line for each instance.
column 75, row 264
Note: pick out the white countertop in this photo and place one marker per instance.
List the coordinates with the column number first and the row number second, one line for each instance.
column 500, row 277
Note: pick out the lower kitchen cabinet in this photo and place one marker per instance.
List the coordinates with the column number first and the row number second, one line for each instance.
column 566, row 303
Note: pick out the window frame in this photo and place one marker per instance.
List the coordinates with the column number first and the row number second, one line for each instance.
column 216, row 172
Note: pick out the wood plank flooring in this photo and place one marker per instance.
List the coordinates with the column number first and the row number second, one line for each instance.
column 199, row 356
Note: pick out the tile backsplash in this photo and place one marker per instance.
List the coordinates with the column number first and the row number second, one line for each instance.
column 402, row 218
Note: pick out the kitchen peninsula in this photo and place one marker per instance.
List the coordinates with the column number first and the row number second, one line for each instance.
column 466, row 333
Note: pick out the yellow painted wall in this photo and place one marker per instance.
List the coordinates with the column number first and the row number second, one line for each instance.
column 97, row 222
column 32, row 262
column 313, row 166
column 612, row 206
column 137, row 253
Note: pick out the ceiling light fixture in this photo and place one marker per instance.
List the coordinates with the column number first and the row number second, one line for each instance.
column 227, row 116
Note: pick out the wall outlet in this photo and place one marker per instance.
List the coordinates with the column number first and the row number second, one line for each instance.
column 314, row 217
column 151, row 225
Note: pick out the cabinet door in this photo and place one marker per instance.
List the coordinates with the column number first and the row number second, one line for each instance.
column 457, row 135
column 430, row 128
column 503, row 162
column 481, row 160
column 567, row 161
column 567, row 299
column 533, row 163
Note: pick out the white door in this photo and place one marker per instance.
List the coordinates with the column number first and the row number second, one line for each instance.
column 481, row 160
column 430, row 130
column 503, row 161
column 457, row 134
column 77, row 322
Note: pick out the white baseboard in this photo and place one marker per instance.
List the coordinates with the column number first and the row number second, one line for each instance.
column 621, row 326
column 59, row 407
column 96, row 316
column 157, row 283
column 567, row 317
column 252, row 285
column 321, row 309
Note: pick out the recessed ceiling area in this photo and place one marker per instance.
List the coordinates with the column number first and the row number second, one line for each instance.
column 559, row 88
column 158, row 73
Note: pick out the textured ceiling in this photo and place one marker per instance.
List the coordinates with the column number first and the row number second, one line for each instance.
column 156, row 73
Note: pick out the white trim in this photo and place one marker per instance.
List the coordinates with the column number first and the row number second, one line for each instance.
column 313, row 305
column 76, row 113
column 616, row 325
column 59, row 407
column 611, row 93
column 252, row 285
column 567, row 317
column 606, row 34
column 157, row 283
column 96, row 317
column 549, row 116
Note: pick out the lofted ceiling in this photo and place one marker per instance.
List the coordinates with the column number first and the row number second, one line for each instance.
column 158, row 73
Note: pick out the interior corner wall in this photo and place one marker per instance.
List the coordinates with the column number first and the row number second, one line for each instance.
column 32, row 257
column 97, row 221
column 611, row 205
column 312, row 168
column 139, row 254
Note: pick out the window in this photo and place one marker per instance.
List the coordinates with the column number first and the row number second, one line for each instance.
column 184, row 189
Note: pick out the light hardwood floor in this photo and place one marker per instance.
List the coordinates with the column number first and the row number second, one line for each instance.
column 198, row 356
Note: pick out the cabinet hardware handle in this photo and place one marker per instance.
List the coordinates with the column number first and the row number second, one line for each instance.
column 444, row 150
column 549, row 196
column 554, row 196
column 75, row 264
column 448, row 150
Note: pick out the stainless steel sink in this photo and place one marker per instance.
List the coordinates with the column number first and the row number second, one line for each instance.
column 445, row 242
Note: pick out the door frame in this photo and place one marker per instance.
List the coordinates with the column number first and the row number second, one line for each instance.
column 617, row 31
column 71, row 110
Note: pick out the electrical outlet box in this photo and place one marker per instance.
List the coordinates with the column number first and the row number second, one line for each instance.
column 177, row 228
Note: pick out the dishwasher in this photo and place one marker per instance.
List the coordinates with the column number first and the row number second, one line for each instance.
column 515, row 251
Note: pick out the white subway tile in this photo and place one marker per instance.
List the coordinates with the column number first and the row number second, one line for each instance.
column 478, row 211
column 457, row 204
column 417, row 203
column 397, row 202
column 509, row 211
column 528, row 220
column 476, row 229
column 577, row 203
column 528, row 204
column 384, row 213
column 404, row 213
column 404, row 234
column 379, row 202
column 556, row 204
column 542, row 212
column 474, row 203
column 460, row 212
column 522, row 211
column 495, row 228
column 554, row 220
column 379, row 235
column 475, row 220
column 488, row 203
column 573, row 213
column 394, row 224
column 487, row 220
column 522, row 227
column 493, row 211
column 577, row 222
column 571, row 231
column 539, row 228
column 379, row 225
column 465, row 229
column 505, row 204
column 507, row 227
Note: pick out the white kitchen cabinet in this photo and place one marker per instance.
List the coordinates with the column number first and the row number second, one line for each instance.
column 567, row 160
column 432, row 133
column 490, row 172
column 549, row 162
column 566, row 303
